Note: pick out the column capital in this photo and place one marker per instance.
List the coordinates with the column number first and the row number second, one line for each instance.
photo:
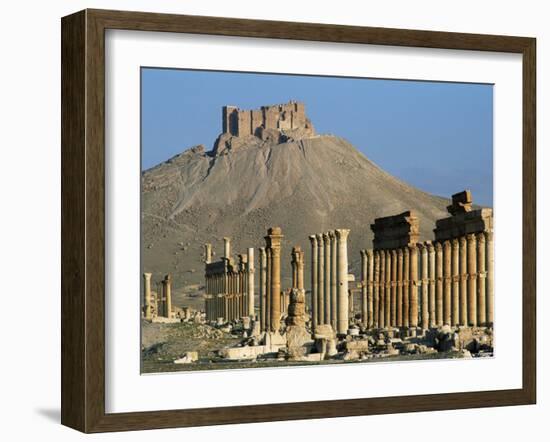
column 454, row 243
column 326, row 238
column 480, row 238
column 313, row 239
column 488, row 235
column 342, row 234
column 331, row 234
column 438, row 246
column 363, row 253
column 369, row 252
column 147, row 276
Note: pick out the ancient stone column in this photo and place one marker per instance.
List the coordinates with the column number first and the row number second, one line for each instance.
column 275, row 236
column 343, row 318
column 439, row 284
column 370, row 281
column 387, row 307
column 399, row 300
column 321, row 278
column 314, row 288
column 250, row 282
column 490, row 277
column 299, row 267
column 472, row 279
column 463, row 285
column 406, row 277
column 262, row 290
column 481, row 276
column 159, row 301
column 328, row 273
column 364, row 297
column 227, row 247
column 207, row 253
column 413, row 291
column 333, row 279
column 382, row 300
column 147, row 296
column 376, row 286
column 294, row 283
column 268, row 295
column 431, row 287
column 393, row 283
column 167, row 294
column 447, row 283
column 455, row 268
column 351, row 304
column 424, row 310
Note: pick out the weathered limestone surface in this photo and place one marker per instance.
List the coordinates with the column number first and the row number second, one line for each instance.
column 147, row 310
column 343, row 308
column 424, row 266
column 490, row 277
column 281, row 117
column 370, row 287
column 250, row 282
column 328, row 273
column 364, row 297
column 392, row 232
column 481, row 280
column 273, row 242
column 447, row 283
column 472, row 279
column 321, row 279
column 333, row 279
column 314, row 287
column 167, row 295
column 263, row 264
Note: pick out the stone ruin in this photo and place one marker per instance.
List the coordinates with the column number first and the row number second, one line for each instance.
column 274, row 124
column 415, row 297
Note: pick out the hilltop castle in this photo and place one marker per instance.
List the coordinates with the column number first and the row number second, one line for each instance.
column 279, row 123
column 238, row 122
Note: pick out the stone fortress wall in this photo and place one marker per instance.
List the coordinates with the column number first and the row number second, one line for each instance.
column 238, row 122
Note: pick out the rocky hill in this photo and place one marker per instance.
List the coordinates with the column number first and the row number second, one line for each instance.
column 303, row 183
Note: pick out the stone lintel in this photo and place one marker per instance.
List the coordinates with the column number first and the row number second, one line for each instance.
column 392, row 232
column 464, row 223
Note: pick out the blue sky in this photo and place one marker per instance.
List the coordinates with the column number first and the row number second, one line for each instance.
column 435, row 136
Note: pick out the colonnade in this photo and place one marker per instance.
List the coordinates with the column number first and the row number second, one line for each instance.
column 329, row 279
column 229, row 286
column 430, row 284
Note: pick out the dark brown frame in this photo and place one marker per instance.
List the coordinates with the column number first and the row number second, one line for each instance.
column 83, row 215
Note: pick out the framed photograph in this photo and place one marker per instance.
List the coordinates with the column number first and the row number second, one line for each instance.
column 267, row 221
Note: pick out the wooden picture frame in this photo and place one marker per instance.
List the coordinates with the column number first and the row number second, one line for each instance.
column 83, row 220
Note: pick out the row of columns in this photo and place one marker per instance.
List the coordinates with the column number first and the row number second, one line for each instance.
column 430, row 284
column 329, row 279
column 162, row 305
column 230, row 280
column 230, row 307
